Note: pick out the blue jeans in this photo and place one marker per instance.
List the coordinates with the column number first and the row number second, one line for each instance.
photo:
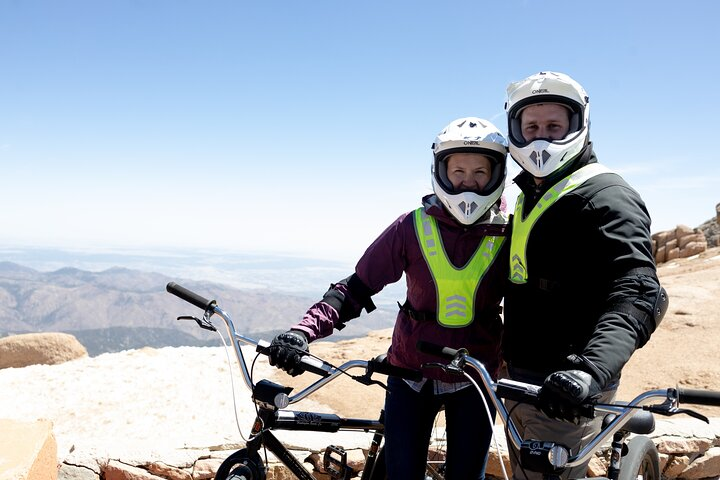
column 409, row 418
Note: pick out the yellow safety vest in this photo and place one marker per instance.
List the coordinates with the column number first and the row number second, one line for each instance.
column 522, row 225
column 455, row 287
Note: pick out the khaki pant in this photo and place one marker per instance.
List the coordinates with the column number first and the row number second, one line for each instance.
column 531, row 423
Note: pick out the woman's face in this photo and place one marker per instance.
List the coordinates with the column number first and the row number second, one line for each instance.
column 468, row 171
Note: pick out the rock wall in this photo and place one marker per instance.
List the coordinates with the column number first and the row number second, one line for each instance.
column 711, row 229
column 683, row 241
column 680, row 242
column 689, row 450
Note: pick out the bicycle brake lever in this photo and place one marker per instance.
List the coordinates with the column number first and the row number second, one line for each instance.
column 204, row 323
column 694, row 414
column 669, row 412
column 690, row 413
column 366, row 380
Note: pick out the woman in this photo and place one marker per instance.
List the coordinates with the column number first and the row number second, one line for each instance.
column 453, row 253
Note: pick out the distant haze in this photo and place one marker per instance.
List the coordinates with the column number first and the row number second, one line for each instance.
column 132, row 306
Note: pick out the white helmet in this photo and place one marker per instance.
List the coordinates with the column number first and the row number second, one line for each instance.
column 469, row 135
column 542, row 157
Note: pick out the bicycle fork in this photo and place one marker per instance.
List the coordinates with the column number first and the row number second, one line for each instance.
column 616, row 453
column 372, row 454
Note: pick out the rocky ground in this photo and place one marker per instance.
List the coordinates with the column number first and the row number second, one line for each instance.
column 151, row 403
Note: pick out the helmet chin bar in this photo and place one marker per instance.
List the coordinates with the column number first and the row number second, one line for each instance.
column 467, row 207
column 542, row 158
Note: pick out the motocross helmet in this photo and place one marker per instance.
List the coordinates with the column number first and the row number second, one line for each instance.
column 469, row 135
column 542, row 157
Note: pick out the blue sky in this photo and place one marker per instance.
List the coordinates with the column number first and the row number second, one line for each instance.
column 305, row 127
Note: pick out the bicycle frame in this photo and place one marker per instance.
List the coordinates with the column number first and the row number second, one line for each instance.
column 270, row 417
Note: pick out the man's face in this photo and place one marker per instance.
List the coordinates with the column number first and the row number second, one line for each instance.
column 544, row 120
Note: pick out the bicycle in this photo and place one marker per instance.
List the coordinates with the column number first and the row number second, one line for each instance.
column 271, row 400
column 629, row 460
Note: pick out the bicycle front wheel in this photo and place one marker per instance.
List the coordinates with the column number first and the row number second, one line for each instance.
column 641, row 461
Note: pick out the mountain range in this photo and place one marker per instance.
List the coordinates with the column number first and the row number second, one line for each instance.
column 118, row 308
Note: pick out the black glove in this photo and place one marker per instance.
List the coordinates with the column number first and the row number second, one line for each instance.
column 286, row 349
column 563, row 394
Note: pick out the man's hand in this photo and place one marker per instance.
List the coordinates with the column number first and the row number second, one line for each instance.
column 286, row 349
column 563, row 393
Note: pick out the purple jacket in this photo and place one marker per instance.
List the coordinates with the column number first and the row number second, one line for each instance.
column 397, row 251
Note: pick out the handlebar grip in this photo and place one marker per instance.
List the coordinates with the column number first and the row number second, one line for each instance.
column 188, row 296
column 309, row 363
column 699, row 397
column 435, row 349
column 382, row 366
column 518, row 391
column 313, row 365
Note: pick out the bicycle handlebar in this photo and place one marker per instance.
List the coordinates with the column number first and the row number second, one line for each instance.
column 310, row 363
column 504, row 388
column 527, row 393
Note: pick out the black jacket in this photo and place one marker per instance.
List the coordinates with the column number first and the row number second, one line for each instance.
column 592, row 283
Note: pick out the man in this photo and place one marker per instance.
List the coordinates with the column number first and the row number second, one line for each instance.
column 583, row 292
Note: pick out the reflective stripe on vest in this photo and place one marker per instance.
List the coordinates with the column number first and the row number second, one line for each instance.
column 455, row 287
column 521, row 226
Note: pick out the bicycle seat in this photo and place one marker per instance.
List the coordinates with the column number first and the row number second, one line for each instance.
column 641, row 423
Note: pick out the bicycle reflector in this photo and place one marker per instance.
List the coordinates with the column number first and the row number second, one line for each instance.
column 543, row 457
column 271, row 395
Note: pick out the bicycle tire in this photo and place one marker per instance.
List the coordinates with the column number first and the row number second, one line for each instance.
column 379, row 472
column 239, row 466
column 641, row 461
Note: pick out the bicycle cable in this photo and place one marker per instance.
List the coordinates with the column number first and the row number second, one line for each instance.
column 258, row 417
column 232, row 386
column 491, row 420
